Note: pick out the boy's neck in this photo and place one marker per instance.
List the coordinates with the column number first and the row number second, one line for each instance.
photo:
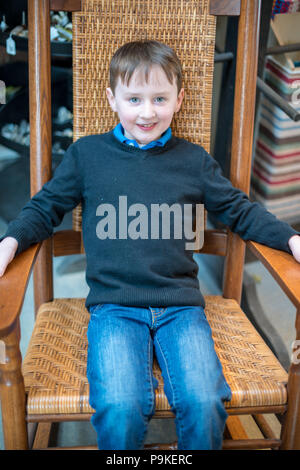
column 129, row 137
column 125, row 133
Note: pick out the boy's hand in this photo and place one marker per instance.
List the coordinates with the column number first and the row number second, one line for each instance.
column 8, row 248
column 294, row 244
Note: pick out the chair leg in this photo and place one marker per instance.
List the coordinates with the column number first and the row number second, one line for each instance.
column 291, row 425
column 12, row 393
column 42, row 436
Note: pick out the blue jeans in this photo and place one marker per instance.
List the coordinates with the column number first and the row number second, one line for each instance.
column 119, row 371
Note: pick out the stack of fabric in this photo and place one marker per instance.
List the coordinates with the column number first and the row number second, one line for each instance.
column 276, row 166
column 283, row 6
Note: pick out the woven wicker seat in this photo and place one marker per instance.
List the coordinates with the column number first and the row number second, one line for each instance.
column 50, row 385
column 55, row 365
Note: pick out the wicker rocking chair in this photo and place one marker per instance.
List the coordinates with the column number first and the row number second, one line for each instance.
column 50, row 385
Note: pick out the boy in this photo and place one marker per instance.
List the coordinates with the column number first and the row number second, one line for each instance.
column 144, row 291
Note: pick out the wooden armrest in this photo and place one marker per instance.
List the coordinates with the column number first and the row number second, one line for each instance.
column 283, row 267
column 13, row 286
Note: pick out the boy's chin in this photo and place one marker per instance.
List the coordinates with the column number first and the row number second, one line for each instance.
column 146, row 140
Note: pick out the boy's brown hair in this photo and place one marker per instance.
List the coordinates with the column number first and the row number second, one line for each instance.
column 143, row 55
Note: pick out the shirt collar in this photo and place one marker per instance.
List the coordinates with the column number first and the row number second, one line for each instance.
column 119, row 134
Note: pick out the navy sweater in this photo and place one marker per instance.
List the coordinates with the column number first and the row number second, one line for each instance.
column 135, row 257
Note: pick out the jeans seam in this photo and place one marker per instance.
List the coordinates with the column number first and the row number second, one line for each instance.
column 152, row 316
column 160, row 312
column 152, row 393
column 177, row 408
column 152, row 400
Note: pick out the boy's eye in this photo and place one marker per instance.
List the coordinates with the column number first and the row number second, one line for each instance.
column 134, row 99
column 160, row 99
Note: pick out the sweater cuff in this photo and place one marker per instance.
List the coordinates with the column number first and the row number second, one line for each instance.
column 289, row 235
column 19, row 235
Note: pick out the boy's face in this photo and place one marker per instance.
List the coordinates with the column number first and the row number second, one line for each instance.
column 145, row 109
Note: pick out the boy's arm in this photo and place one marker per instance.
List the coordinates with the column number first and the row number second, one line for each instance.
column 45, row 210
column 249, row 219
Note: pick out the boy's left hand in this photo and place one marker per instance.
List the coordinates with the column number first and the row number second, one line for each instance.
column 294, row 244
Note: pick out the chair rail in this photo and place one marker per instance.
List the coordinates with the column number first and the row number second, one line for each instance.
column 13, row 287
column 283, row 267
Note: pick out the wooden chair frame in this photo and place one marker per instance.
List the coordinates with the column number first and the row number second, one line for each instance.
column 13, row 285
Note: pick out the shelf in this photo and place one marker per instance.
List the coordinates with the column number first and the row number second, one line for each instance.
column 58, row 49
column 14, row 112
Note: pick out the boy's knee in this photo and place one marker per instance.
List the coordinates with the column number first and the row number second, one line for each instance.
column 199, row 402
column 125, row 407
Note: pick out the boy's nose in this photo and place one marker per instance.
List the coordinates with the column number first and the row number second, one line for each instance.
column 147, row 111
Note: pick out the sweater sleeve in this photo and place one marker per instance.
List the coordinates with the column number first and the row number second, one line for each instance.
column 232, row 207
column 46, row 208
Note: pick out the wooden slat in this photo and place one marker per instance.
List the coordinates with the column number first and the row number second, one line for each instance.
column 247, row 410
column 167, row 446
column 235, row 428
column 42, row 436
column 73, row 448
column 225, row 7
column 56, row 418
column 264, row 426
column 215, row 243
column 65, row 5
column 66, row 242
column 251, row 444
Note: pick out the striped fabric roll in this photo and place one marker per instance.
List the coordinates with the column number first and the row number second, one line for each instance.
column 276, row 167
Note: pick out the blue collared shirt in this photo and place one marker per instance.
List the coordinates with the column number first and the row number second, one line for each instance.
column 119, row 134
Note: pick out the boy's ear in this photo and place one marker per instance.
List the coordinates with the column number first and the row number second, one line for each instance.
column 111, row 99
column 179, row 100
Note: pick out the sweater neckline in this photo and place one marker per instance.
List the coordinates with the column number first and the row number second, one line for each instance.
column 139, row 150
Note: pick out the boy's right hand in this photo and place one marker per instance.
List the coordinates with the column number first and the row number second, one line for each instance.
column 8, row 248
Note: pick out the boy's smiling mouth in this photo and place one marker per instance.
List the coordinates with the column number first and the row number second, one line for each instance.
column 147, row 127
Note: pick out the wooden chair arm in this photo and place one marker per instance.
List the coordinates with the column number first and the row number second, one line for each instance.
column 13, row 286
column 283, row 267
